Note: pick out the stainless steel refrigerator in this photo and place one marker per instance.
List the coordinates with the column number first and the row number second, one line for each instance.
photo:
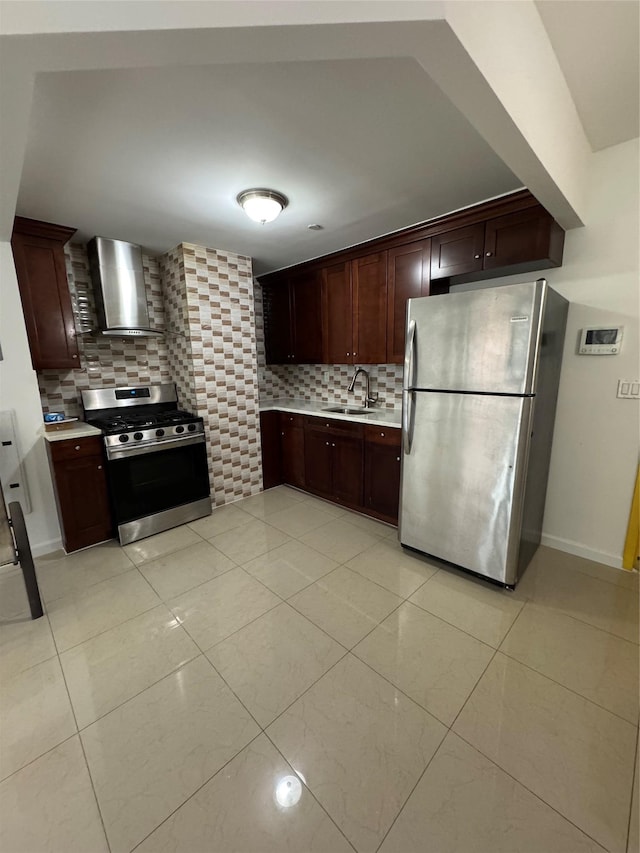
column 481, row 376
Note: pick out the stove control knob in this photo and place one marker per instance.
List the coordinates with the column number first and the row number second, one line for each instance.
column 179, row 429
column 191, row 427
column 137, row 436
column 123, row 438
column 159, row 433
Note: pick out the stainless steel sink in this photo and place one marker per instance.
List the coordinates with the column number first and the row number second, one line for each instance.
column 347, row 410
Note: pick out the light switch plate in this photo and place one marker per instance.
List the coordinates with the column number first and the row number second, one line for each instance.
column 628, row 389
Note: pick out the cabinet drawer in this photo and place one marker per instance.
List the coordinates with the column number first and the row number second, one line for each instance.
column 289, row 420
column 76, row 447
column 390, row 436
column 339, row 427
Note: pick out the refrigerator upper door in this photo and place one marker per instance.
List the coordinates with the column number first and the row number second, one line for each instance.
column 463, row 476
column 484, row 340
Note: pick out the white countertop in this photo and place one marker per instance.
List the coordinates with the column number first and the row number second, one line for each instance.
column 82, row 430
column 383, row 417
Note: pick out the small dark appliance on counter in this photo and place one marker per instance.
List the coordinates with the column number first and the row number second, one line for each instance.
column 156, row 458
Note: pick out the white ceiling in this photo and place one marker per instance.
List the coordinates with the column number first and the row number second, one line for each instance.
column 596, row 42
column 360, row 146
column 157, row 156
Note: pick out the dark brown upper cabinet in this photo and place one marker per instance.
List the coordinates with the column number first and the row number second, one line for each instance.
column 517, row 242
column 408, row 276
column 38, row 252
column 457, row 252
column 337, row 314
column 293, row 319
column 305, row 293
column 369, row 293
column 364, row 289
column 354, row 311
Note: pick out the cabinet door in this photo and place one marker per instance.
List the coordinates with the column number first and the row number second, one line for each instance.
column 317, row 461
column 408, row 277
column 83, row 502
column 347, row 469
column 382, row 479
column 271, row 453
column 458, row 251
column 337, row 314
column 293, row 457
column 370, row 309
column 277, row 323
column 517, row 238
column 306, row 317
column 46, row 302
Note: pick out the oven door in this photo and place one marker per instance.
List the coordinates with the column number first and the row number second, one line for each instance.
column 154, row 479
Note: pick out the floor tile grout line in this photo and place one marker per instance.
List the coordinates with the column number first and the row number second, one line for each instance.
column 140, row 692
column 566, row 687
column 159, row 603
column 410, row 794
column 532, row 792
column 474, row 688
column 450, row 624
column 634, row 782
column 38, row 757
column 191, row 588
column 80, row 589
column 193, row 794
column 95, row 793
column 311, row 793
column 541, row 606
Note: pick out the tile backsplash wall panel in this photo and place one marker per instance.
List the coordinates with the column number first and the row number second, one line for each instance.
column 177, row 324
column 107, row 362
column 221, row 329
column 324, row 382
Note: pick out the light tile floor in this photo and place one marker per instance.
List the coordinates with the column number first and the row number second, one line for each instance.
column 281, row 676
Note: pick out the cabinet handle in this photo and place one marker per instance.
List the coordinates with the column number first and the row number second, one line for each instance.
column 347, row 353
column 99, row 467
column 77, row 447
column 327, row 443
column 382, row 434
column 74, row 356
column 397, row 458
column 354, row 355
column 281, row 433
column 477, row 257
column 488, row 254
column 333, row 445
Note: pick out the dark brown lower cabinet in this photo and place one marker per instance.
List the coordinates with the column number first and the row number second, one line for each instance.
column 271, row 455
column 292, row 441
column 80, row 487
column 382, row 455
column 333, row 460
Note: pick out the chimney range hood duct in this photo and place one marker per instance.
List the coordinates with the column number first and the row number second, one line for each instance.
column 120, row 293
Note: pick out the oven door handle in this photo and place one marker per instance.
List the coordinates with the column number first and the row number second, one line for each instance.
column 124, row 452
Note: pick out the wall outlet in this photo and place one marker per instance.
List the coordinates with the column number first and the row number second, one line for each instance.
column 628, row 389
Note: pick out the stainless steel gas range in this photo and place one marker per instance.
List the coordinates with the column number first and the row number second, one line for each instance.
column 156, row 458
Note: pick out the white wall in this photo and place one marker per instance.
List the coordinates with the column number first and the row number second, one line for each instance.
column 19, row 391
column 595, row 445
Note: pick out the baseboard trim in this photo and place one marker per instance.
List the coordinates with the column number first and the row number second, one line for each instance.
column 614, row 560
column 47, row 547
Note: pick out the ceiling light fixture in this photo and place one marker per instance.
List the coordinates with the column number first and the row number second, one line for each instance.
column 262, row 205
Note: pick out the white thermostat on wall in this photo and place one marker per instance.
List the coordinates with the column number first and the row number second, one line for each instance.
column 600, row 340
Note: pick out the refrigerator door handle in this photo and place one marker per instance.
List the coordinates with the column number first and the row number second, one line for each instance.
column 408, row 354
column 407, row 406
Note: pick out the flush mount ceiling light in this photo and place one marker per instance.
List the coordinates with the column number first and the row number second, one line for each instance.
column 262, row 205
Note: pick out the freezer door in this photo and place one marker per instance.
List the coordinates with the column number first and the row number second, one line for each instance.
column 463, row 472
column 485, row 340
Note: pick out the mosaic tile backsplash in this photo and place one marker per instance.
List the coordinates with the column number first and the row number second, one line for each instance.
column 326, row 383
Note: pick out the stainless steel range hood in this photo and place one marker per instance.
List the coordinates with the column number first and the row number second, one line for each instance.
column 118, row 281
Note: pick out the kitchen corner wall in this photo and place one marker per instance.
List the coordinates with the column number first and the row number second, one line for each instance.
column 326, row 383
column 203, row 299
column 212, row 351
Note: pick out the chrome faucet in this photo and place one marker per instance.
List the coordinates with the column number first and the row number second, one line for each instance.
column 369, row 400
